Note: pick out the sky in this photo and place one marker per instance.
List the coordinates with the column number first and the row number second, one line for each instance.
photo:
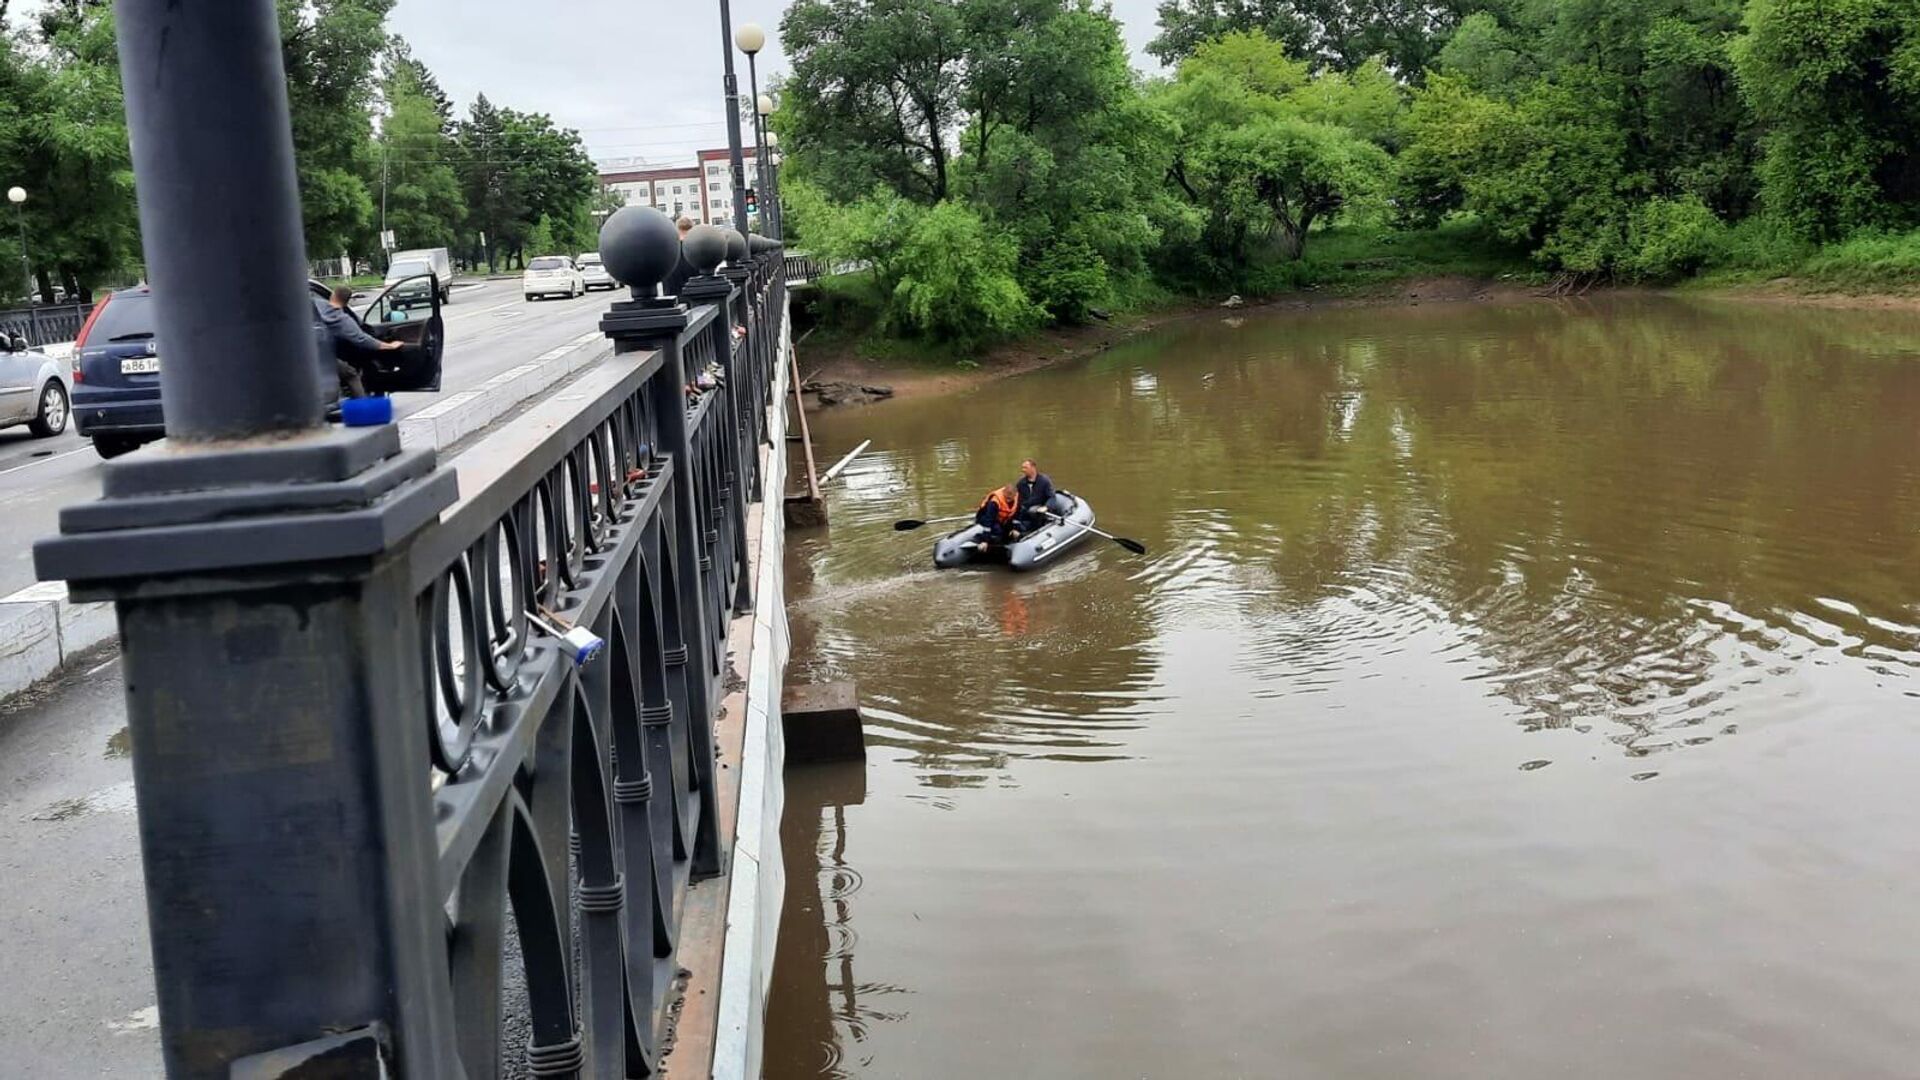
column 636, row 78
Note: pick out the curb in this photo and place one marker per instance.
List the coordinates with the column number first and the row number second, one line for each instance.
column 41, row 628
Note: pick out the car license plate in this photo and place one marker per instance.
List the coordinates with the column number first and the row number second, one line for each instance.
column 140, row 365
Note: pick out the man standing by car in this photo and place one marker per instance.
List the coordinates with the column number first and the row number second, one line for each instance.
column 350, row 340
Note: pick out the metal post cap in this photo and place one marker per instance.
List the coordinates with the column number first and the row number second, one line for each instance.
column 639, row 246
column 705, row 247
column 760, row 245
column 736, row 246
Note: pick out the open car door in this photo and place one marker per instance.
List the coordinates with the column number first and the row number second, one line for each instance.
column 407, row 311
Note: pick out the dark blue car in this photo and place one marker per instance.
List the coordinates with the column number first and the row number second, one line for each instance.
column 116, row 358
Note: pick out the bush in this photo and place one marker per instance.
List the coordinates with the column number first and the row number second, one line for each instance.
column 1068, row 279
column 1762, row 245
column 1671, row 238
column 956, row 280
column 1867, row 260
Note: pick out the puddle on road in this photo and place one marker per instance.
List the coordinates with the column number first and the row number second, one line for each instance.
column 119, row 744
column 113, row 799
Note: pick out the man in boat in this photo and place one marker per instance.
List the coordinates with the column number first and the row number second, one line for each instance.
column 1036, row 497
column 999, row 515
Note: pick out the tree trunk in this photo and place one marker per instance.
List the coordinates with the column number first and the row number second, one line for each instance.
column 1293, row 240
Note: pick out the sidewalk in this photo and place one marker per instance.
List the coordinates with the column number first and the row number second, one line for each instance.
column 75, row 935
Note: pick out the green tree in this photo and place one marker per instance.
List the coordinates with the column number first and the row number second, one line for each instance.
column 540, row 237
column 1260, row 148
column 1061, row 151
column 1331, row 33
column 552, row 174
column 1837, row 87
column 957, row 283
column 1549, row 170
column 874, row 94
column 422, row 201
column 1277, row 176
column 331, row 49
column 492, row 189
column 63, row 138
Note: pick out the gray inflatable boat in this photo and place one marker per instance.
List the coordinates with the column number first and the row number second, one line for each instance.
column 1036, row 549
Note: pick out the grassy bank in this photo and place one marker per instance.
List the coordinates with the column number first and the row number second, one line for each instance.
column 1866, row 264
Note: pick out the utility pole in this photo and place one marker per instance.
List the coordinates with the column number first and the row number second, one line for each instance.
column 385, row 148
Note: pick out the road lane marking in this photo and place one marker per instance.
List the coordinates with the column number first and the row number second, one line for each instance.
column 44, row 460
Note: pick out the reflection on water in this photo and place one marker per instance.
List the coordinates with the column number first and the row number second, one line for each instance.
column 1509, row 691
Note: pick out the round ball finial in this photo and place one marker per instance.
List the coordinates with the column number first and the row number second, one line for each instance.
column 736, row 247
column 760, row 245
column 705, row 248
column 639, row 246
column 750, row 38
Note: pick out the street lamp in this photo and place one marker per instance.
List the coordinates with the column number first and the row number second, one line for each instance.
column 751, row 39
column 732, row 85
column 18, row 197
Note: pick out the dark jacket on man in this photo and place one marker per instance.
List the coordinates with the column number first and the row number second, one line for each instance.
column 1035, row 494
column 677, row 277
column 344, row 329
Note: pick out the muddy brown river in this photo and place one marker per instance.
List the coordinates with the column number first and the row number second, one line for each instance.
column 1510, row 691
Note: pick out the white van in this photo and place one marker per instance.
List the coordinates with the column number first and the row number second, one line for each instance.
column 437, row 261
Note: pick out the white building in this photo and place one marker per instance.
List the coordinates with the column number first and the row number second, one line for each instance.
column 702, row 192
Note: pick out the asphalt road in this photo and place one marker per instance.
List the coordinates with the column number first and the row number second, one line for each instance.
column 490, row 328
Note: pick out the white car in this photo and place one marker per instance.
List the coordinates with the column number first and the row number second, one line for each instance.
column 595, row 273
column 552, row 275
column 33, row 388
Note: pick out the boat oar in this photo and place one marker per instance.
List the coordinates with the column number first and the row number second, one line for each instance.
column 905, row 524
column 1134, row 546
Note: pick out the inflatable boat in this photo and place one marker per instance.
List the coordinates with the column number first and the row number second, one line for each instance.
column 1035, row 549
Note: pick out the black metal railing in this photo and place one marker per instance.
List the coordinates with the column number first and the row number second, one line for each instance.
column 376, row 769
column 47, row 324
column 581, row 797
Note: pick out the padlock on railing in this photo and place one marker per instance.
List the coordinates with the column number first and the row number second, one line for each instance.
column 578, row 642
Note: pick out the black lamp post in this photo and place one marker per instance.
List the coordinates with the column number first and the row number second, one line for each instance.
column 763, row 108
column 733, row 115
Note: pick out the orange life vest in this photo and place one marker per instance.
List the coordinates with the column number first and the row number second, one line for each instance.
column 1004, row 506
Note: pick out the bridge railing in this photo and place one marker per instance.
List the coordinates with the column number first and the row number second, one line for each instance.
column 45, row 324
column 394, row 821
column 580, row 798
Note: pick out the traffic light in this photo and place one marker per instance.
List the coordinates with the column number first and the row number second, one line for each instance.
column 753, row 201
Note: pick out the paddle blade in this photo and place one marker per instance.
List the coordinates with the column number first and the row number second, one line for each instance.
column 1134, row 546
column 906, row 525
